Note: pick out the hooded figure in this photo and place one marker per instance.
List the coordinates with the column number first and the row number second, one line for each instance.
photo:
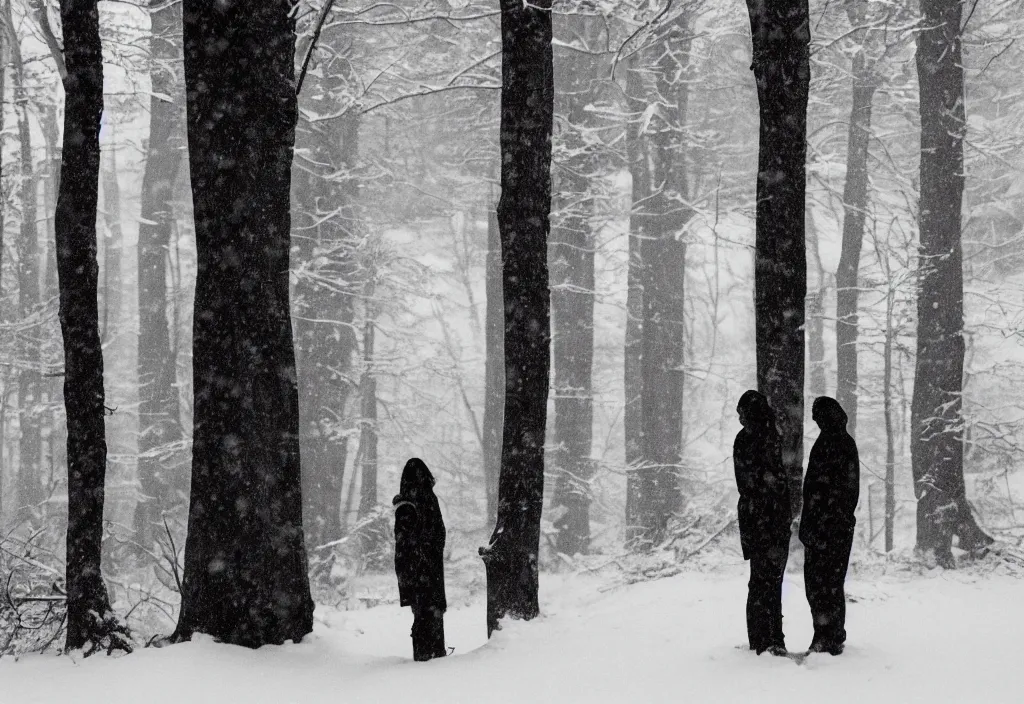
column 831, row 491
column 764, row 517
column 419, row 558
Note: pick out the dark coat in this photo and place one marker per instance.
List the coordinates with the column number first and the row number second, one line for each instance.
column 832, row 484
column 763, row 510
column 419, row 540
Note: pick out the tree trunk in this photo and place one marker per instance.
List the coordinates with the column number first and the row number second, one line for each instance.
column 572, row 298
column 245, row 579
column 890, row 444
column 527, row 106
column 162, row 469
column 658, row 217
column 936, row 420
column 633, row 353
column 494, row 367
column 89, row 617
column 368, row 426
column 855, row 204
column 325, row 234
column 781, row 36
column 30, row 475
column 816, row 316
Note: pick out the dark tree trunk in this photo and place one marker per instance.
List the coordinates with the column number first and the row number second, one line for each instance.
column 658, row 218
column 89, row 617
column 325, row 235
column 937, row 450
column 162, row 468
column 781, row 35
column 494, row 367
column 572, row 296
column 30, row 474
column 855, row 204
column 527, row 106
column 245, row 580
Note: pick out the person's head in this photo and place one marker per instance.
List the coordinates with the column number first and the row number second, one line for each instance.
column 828, row 414
column 416, row 478
column 754, row 410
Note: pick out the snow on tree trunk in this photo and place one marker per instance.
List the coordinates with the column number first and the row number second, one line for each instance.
column 90, row 622
column 572, row 293
column 658, row 217
column 855, row 204
column 245, row 579
column 163, row 476
column 526, row 121
column 781, row 36
column 30, row 475
column 936, row 421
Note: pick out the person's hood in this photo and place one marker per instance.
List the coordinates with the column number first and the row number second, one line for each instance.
column 756, row 408
column 829, row 415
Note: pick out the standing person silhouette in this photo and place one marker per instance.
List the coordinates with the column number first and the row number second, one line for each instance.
column 419, row 558
column 831, row 491
column 764, row 519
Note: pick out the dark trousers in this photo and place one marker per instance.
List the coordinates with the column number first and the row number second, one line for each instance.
column 764, row 598
column 824, row 575
column 427, row 633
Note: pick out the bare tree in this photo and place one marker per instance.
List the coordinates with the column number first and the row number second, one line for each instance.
column 572, row 285
column 855, row 203
column 162, row 470
column 781, row 35
column 658, row 101
column 527, row 107
column 90, row 619
column 245, row 579
column 937, row 444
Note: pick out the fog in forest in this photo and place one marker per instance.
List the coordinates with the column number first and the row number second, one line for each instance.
column 398, row 335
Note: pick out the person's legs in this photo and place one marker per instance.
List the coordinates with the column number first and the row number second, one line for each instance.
column 420, row 634
column 437, row 646
column 777, row 559
column 757, row 636
column 815, row 587
column 837, row 590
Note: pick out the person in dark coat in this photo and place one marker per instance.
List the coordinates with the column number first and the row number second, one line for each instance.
column 764, row 519
column 831, row 491
column 419, row 558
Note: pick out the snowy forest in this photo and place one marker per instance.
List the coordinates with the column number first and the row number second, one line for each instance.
column 256, row 256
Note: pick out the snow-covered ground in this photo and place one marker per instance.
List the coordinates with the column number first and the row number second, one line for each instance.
column 939, row 637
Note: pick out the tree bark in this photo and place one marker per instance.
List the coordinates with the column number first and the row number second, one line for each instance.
column 936, row 413
column 527, row 106
column 30, row 475
column 855, row 204
column 326, row 234
column 89, row 617
column 890, row 440
column 572, row 296
column 816, row 316
column 633, row 352
column 494, row 367
column 162, row 469
column 659, row 215
column 781, row 35
column 245, row 580
column 368, row 425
